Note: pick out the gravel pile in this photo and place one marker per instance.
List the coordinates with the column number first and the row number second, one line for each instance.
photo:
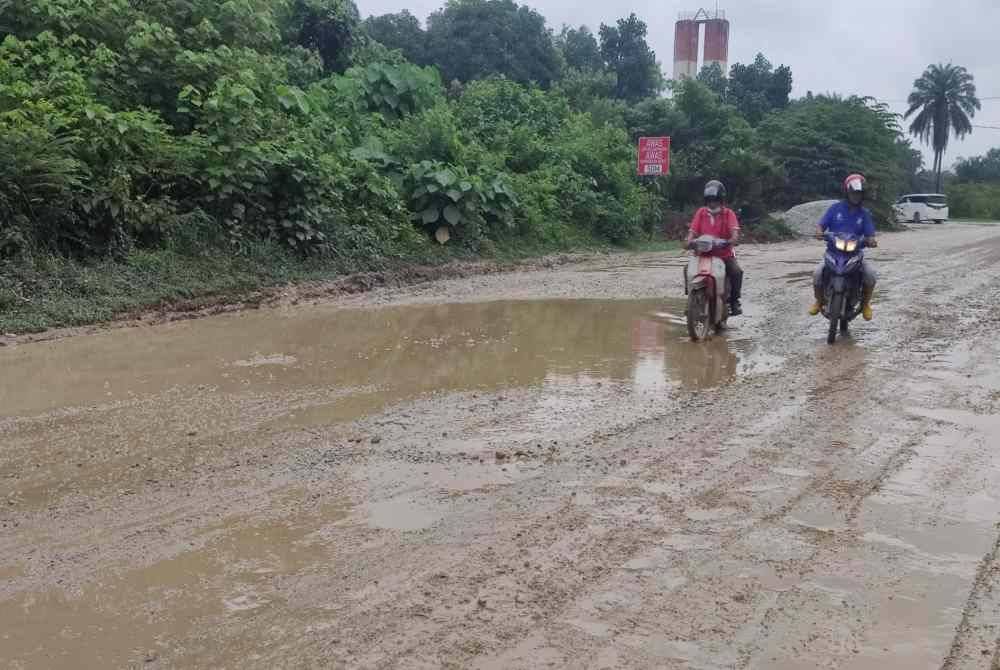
column 803, row 218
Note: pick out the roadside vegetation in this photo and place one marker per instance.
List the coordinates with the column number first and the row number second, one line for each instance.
column 180, row 150
column 974, row 191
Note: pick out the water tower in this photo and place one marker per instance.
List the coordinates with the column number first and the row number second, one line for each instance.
column 686, row 38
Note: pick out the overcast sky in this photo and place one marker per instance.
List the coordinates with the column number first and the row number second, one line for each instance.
column 869, row 47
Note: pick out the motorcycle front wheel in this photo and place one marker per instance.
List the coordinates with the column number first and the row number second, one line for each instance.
column 697, row 315
column 836, row 310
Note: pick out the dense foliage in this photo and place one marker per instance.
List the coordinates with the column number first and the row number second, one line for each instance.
column 193, row 125
column 127, row 126
column 975, row 191
column 974, row 200
column 980, row 168
column 820, row 139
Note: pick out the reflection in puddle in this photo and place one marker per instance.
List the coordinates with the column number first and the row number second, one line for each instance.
column 367, row 359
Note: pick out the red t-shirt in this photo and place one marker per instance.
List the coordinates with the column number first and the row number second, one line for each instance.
column 721, row 225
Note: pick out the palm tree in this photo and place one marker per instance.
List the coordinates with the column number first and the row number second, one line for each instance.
column 945, row 95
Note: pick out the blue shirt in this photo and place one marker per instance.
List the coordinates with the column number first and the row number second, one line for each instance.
column 843, row 218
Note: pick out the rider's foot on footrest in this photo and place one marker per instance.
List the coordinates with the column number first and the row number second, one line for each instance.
column 815, row 309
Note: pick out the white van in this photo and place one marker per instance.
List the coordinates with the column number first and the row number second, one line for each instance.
column 920, row 207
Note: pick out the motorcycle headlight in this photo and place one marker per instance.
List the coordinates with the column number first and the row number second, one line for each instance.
column 841, row 244
column 850, row 245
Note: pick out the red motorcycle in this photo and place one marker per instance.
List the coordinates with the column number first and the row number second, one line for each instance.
column 706, row 287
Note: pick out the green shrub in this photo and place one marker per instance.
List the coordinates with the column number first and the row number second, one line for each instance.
column 974, row 200
column 396, row 90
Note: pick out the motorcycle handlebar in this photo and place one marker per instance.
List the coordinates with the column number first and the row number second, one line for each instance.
column 717, row 244
column 827, row 235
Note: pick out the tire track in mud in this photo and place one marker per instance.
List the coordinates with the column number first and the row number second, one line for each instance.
column 982, row 595
column 893, row 463
column 988, row 568
column 979, row 625
column 773, row 519
column 682, row 455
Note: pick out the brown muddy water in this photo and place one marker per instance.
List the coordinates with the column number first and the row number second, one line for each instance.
column 351, row 363
column 379, row 356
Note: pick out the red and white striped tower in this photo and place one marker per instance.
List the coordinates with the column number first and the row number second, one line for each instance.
column 685, row 49
column 686, row 40
column 717, row 44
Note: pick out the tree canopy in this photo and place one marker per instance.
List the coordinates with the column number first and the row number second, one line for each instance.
column 943, row 102
column 400, row 31
column 473, row 39
column 758, row 88
column 627, row 54
column 984, row 168
column 817, row 141
column 580, row 49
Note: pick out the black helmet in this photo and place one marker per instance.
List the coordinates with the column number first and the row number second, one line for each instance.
column 714, row 190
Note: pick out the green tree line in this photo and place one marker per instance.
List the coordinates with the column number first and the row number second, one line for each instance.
column 191, row 125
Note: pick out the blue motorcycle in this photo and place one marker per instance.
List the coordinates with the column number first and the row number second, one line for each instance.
column 842, row 280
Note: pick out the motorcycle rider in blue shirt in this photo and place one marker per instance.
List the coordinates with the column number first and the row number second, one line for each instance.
column 849, row 216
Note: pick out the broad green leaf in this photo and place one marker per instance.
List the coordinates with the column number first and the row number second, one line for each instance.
column 452, row 215
column 445, row 177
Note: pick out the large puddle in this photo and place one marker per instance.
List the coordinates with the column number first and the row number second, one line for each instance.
column 355, row 362
column 374, row 357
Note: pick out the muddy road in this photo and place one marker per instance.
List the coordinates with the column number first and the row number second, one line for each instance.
column 533, row 470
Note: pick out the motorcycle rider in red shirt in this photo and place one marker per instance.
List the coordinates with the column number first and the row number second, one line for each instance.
column 719, row 221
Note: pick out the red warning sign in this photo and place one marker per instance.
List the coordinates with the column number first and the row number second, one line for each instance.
column 654, row 156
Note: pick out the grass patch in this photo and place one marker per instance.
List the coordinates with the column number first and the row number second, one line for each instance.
column 655, row 245
column 972, row 222
column 41, row 292
column 46, row 291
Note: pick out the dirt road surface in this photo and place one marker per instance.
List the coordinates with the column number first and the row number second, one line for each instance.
column 534, row 470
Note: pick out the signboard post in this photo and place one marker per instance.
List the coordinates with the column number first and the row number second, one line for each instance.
column 654, row 156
